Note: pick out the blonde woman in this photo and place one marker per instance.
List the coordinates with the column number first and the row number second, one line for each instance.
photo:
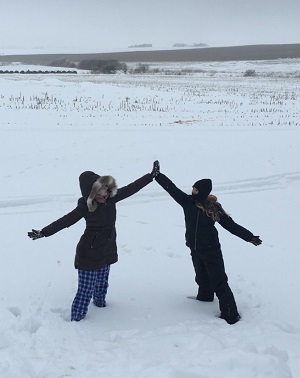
column 97, row 247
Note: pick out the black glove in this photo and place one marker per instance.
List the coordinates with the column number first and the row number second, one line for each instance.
column 255, row 240
column 155, row 171
column 35, row 234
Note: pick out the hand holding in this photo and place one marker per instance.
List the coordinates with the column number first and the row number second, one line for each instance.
column 35, row 234
column 155, row 171
column 255, row 240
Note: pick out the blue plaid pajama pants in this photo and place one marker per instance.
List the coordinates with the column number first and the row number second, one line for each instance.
column 91, row 284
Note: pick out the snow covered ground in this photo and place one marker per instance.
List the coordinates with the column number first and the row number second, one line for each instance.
column 242, row 132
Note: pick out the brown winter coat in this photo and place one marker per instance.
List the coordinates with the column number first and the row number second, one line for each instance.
column 97, row 246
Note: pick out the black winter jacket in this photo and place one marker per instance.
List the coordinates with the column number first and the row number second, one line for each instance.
column 201, row 233
column 97, row 246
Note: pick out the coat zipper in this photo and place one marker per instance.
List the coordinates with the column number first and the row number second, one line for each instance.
column 196, row 230
column 93, row 242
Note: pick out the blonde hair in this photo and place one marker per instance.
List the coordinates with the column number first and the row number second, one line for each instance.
column 211, row 207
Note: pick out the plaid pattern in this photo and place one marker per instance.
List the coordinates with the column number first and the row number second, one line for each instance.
column 91, row 284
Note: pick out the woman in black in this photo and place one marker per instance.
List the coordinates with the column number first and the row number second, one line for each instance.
column 201, row 211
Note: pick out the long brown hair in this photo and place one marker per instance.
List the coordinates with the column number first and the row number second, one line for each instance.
column 211, row 207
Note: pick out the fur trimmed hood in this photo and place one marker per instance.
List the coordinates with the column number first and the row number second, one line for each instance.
column 90, row 183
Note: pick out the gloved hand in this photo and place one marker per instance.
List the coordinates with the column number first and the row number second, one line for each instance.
column 36, row 234
column 255, row 240
column 155, row 171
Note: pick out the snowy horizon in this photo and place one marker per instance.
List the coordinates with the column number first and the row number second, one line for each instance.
column 118, row 49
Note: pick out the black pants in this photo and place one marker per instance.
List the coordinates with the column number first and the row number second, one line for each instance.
column 211, row 278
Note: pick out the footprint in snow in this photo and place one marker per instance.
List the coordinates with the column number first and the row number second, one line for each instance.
column 16, row 311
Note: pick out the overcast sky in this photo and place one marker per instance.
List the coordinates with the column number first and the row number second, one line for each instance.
column 97, row 25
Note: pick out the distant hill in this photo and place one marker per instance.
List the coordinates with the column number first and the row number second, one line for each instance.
column 233, row 53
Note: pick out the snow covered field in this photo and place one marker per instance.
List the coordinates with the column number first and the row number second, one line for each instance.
column 242, row 132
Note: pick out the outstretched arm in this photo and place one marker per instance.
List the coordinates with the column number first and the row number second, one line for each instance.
column 63, row 222
column 135, row 186
column 228, row 223
column 178, row 195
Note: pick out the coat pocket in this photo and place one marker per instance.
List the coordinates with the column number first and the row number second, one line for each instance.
column 101, row 238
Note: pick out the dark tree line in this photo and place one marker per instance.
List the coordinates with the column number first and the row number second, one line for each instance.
column 102, row 66
column 93, row 65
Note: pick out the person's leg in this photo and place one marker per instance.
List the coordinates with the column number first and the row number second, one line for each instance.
column 86, row 284
column 205, row 292
column 214, row 264
column 101, row 286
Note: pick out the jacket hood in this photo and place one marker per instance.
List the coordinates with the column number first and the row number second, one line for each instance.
column 90, row 183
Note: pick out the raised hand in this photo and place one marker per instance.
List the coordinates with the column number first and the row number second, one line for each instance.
column 155, row 171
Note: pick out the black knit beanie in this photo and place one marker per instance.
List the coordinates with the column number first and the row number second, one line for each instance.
column 204, row 186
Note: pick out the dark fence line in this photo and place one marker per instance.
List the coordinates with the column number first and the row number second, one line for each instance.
column 37, row 72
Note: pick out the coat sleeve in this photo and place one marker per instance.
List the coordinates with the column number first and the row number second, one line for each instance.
column 178, row 195
column 66, row 221
column 132, row 188
column 229, row 224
